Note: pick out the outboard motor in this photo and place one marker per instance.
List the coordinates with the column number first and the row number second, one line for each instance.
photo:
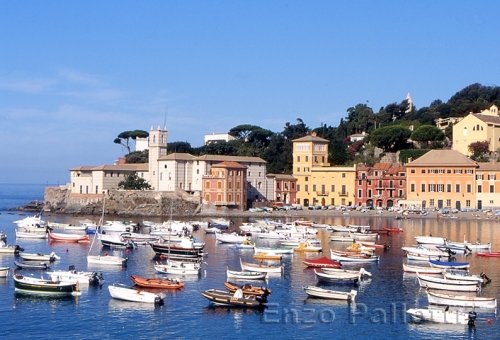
column 485, row 278
column 472, row 319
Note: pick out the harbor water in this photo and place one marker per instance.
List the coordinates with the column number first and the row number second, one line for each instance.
column 379, row 311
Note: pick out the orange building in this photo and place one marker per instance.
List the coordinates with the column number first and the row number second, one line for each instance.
column 488, row 186
column 226, row 186
column 442, row 179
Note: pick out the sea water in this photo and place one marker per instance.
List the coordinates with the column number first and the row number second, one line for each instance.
column 378, row 313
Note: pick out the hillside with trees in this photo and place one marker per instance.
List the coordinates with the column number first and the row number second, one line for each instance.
column 389, row 129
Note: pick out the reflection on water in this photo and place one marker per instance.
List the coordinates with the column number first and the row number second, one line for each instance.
column 127, row 307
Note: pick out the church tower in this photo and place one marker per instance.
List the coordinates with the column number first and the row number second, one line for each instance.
column 157, row 149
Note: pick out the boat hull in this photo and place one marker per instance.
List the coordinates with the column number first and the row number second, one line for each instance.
column 461, row 300
column 223, row 298
column 45, row 287
column 318, row 292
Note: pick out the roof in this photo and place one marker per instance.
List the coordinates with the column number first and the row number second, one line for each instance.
column 113, row 167
column 178, row 156
column 311, row 138
column 489, row 166
column 487, row 118
column 222, row 158
column 282, row 176
column 229, row 164
column 443, row 158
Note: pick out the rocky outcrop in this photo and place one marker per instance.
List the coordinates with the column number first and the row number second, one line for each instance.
column 120, row 202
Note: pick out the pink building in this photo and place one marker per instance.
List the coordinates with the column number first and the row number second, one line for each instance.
column 226, row 186
column 380, row 185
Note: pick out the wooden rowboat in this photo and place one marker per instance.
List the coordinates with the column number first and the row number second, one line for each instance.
column 268, row 257
column 262, row 268
column 156, row 282
column 422, row 270
column 66, row 237
column 427, row 281
column 490, row 254
column 449, row 265
column 247, row 289
column 322, row 262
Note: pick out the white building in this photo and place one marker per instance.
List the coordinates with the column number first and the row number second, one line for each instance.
column 215, row 137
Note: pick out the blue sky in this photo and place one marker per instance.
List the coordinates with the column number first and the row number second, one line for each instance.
column 74, row 74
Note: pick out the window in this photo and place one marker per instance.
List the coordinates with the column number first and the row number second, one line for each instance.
column 479, row 176
column 457, row 187
column 423, row 171
column 479, row 188
column 380, row 184
column 314, row 187
column 467, row 203
column 298, row 158
column 298, row 188
column 492, row 188
column 298, row 169
column 448, row 187
column 343, row 175
column 307, row 188
column 423, row 187
column 431, row 202
column 400, row 193
column 306, row 179
column 469, row 171
column 343, row 190
column 307, row 158
column 333, row 188
column 469, row 188
column 432, row 187
column 440, row 187
column 412, row 171
column 492, row 176
column 360, row 193
column 369, row 193
column 412, row 187
column 448, row 203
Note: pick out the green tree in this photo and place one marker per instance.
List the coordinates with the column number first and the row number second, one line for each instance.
column 134, row 182
column 390, row 138
column 125, row 137
column 179, row 147
column 425, row 134
column 137, row 157
column 360, row 118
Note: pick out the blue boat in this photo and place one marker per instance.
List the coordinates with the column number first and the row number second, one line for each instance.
column 447, row 265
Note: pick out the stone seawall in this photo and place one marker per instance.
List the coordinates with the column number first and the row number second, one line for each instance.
column 121, row 203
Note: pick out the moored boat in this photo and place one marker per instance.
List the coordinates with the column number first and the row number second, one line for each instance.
column 224, row 298
column 422, row 269
column 178, row 267
column 449, row 265
column 322, row 262
column 461, row 300
column 245, row 275
column 333, row 274
column 267, row 257
column 125, row 293
column 80, row 277
column 430, row 240
column 307, row 247
column 230, row 238
column 318, row 292
column 427, row 281
column 66, row 237
column 463, row 275
column 247, row 289
column 156, row 282
column 352, row 257
column 4, row 271
column 489, row 254
column 442, row 316
column 31, row 285
column 262, row 268
column 107, row 260
column 32, row 265
column 39, row 257
column 268, row 250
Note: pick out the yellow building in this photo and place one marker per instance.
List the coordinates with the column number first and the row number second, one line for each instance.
column 477, row 127
column 318, row 183
column 488, row 186
column 442, row 179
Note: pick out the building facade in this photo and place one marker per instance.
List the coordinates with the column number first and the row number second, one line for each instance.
column 488, row 186
column 380, row 185
column 477, row 127
column 442, row 179
column 225, row 186
column 282, row 188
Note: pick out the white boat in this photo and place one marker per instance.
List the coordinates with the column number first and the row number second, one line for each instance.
column 333, row 274
column 107, row 260
column 31, row 234
column 267, row 250
column 318, row 292
column 116, row 227
column 432, row 282
column 67, row 237
column 71, row 275
column 116, row 240
column 178, row 267
column 364, row 236
column 422, row 270
column 441, row 316
column 350, row 257
column 261, row 268
column 470, row 245
column 465, row 276
column 425, row 252
column 4, row 271
column 32, row 222
column 135, row 295
column 245, row 275
column 341, row 238
column 39, row 257
column 230, row 238
column 430, row 240
column 461, row 300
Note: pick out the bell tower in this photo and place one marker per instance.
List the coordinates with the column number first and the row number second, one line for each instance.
column 157, row 148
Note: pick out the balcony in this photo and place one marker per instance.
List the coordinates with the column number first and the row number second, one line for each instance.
column 322, row 193
column 343, row 194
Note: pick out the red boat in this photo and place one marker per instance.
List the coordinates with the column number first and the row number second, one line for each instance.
column 392, row 230
column 322, row 262
column 156, row 283
column 492, row 254
column 62, row 237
